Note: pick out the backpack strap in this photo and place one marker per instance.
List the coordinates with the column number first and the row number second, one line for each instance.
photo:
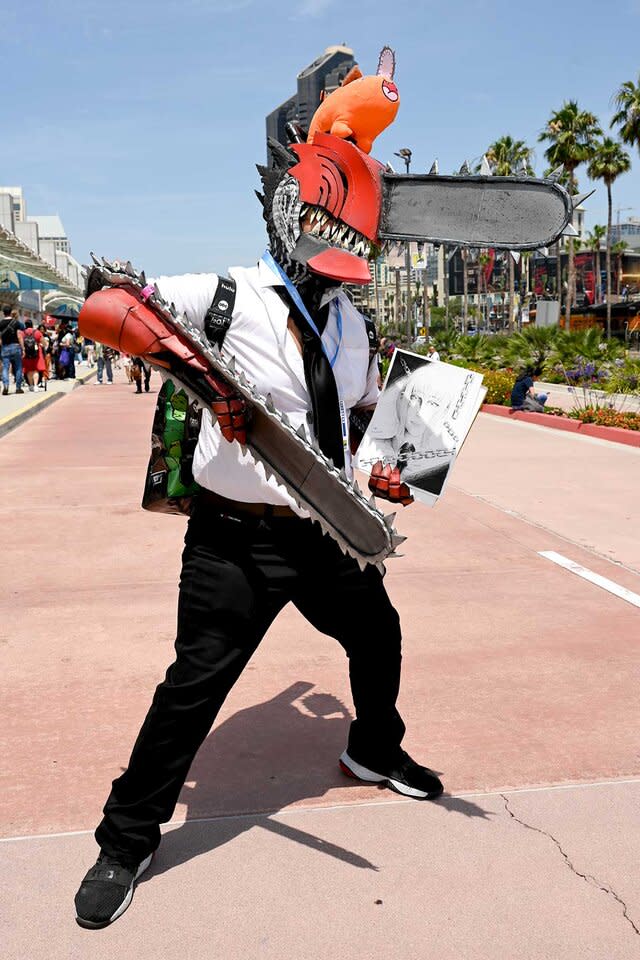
column 372, row 334
column 218, row 317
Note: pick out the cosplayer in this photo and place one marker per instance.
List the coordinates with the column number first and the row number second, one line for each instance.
column 278, row 518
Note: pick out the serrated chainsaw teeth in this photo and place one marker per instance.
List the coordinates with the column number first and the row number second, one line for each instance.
column 378, row 545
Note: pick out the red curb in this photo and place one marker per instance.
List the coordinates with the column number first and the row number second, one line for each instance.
column 615, row 434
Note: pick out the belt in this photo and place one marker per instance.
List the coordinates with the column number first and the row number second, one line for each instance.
column 237, row 508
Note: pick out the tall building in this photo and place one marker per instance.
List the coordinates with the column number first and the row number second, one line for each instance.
column 13, row 208
column 324, row 74
column 629, row 232
column 50, row 228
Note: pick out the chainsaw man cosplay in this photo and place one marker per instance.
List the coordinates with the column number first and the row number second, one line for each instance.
column 277, row 359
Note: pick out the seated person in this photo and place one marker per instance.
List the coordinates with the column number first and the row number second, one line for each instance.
column 523, row 396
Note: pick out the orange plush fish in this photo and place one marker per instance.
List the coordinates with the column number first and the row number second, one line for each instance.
column 362, row 107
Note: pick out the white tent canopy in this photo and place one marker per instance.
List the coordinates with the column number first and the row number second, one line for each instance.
column 16, row 255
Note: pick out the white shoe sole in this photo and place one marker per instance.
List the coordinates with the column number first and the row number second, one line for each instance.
column 90, row 925
column 353, row 769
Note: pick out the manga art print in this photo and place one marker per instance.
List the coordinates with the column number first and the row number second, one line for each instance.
column 423, row 416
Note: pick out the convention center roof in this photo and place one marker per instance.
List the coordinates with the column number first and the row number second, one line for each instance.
column 17, row 256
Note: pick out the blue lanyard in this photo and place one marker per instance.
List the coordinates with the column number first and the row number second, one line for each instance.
column 297, row 299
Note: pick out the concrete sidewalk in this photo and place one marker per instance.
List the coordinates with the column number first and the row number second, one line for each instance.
column 572, row 398
column 520, row 685
column 532, row 874
column 17, row 408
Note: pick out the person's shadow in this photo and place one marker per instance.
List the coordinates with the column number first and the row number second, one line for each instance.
column 259, row 761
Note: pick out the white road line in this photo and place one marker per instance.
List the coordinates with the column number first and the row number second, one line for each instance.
column 592, row 577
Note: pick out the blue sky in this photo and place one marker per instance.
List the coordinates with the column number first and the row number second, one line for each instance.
column 139, row 123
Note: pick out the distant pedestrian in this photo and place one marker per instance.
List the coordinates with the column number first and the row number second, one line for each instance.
column 386, row 348
column 433, row 353
column 12, row 350
column 43, row 376
column 33, row 361
column 66, row 353
column 141, row 371
column 103, row 359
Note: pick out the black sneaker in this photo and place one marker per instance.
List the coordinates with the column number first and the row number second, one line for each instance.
column 107, row 890
column 403, row 775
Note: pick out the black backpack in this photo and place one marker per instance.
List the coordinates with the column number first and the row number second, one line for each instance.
column 169, row 484
column 30, row 345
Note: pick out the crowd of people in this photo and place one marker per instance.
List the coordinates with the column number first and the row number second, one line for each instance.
column 33, row 354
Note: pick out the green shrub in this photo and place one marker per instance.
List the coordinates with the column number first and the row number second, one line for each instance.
column 624, row 377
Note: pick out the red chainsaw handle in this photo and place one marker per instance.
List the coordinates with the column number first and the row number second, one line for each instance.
column 120, row 320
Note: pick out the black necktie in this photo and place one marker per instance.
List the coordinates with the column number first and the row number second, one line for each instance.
column 320, row 381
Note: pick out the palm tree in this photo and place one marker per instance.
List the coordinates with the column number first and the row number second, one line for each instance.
column 571, row 133
column 446, row 341
column 617, row 249
column 477, row 349
column 465, row 289
column 594, row 243
column 531, row 347
column 484, row 259
column 627, row 100
column 509, row 157
column 608, row 163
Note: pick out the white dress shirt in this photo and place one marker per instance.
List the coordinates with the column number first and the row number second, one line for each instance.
column 267, row 353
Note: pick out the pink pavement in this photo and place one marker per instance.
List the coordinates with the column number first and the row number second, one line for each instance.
column 517, row 676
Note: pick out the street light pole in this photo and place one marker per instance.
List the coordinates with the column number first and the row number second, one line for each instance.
column 405, row 154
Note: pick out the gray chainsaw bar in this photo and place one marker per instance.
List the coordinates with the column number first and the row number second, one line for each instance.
column 510, row 213
column 312, row 480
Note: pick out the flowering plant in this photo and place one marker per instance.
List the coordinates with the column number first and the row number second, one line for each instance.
column 607, row 417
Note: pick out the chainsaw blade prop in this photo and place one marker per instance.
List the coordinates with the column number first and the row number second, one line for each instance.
column 150, row 328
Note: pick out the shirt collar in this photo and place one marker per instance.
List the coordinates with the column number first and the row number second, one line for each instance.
column 268, row 278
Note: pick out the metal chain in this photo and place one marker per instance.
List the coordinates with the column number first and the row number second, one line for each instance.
column 466, row 386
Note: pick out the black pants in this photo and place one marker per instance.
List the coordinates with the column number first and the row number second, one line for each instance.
column 237, row 574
